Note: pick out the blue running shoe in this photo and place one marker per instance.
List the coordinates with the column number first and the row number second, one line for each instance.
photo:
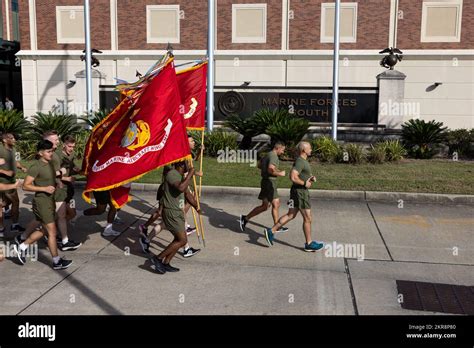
column 313, row 246
column 269, row 236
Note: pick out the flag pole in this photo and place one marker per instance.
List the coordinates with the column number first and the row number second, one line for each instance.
column 210, row 70
column 199, row 207
column 200, row 158
column 87, row 27
column 335, row 72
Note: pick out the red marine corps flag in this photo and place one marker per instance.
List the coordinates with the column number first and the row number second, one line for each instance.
column 137, row 137
column 192, row 87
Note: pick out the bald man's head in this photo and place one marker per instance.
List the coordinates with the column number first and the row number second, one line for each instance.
column 304, row 147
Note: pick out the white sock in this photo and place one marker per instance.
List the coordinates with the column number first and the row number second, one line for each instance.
column 23, row 236
column 23, row 246
column 186, row 247
column 108, row 226
column 15, row 224
column 65, row 240
column 56, row 259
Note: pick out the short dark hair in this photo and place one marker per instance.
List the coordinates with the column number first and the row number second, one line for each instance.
column 279, row 144
column 5, row 135
column 50, row 132
column 180, row 164
column 68, row 138
column 44, row 145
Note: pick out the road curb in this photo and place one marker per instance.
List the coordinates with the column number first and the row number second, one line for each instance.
column 370, row 196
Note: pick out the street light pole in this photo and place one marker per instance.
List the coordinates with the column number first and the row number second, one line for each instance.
column 87, row 30
column 335, row 71
column 210, row 67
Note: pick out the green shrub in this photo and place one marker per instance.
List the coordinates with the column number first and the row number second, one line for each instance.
column 81, row 141
column 264, row 118
column 244, row 126
column 355, row 153
column 394, row 150
column 422, row 138
column 377, row 153
column 327, row 150
column 26, row 148
column 289, row 130
column 219, row 139
column 459, row 141
column 95, row 118
column 63, row 124
column 13, row 121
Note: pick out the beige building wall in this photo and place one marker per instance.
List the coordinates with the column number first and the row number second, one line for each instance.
column 452, row 102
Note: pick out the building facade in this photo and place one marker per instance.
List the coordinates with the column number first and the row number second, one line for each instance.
column 274, row 44
column 10, row 70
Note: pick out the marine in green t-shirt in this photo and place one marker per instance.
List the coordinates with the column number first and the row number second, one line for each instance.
column 302, row 179
column 8, row 169
column 268, row 185
column 43, row 175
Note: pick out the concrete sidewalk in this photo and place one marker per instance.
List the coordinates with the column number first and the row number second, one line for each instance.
column 237, row 273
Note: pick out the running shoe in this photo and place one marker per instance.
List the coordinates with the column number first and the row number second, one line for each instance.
column 313, row 246
column 190, row 252
column 242, row 222
column 269, row 236
column 70, row 245
column 62, row 264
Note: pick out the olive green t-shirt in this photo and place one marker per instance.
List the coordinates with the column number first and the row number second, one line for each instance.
column 270, row 158
column 67, row 162
column 10, row 164
column 172, row 197
column 303, row 168
column 43, row 174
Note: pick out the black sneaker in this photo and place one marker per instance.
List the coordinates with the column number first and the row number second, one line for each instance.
column 7, row 214
column 143, row 230
column 170, row 268
column 242, row 222
column 17, row 228
column 159, row 266
column 17, row 240
column 190, row 252
column 20, row 254
column 283, row 229
column 70, row 245
column 144, row 243
column 62, row 264
column 190, row 230
column 2, row 232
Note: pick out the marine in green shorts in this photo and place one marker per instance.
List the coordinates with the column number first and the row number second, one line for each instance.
column 43, row 203
column 173, row 203
column 299, row 194
column 268, row 186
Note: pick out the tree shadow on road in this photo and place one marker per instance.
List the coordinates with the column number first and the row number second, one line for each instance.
column 221, row 219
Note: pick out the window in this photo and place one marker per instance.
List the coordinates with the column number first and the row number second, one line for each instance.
column 70, row 24
column 15, row 21
column 441, row 21
column 1, row 22
column 249, row 23
column 347, row 22
column 162, row 24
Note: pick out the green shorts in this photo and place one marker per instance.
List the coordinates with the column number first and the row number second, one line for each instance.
column 60, row 194
column 300, row 198
column 44, row 209
column 268, row 190
column 102, row 197
column 173, row 220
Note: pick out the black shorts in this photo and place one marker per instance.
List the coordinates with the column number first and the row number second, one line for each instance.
column 102, row 197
